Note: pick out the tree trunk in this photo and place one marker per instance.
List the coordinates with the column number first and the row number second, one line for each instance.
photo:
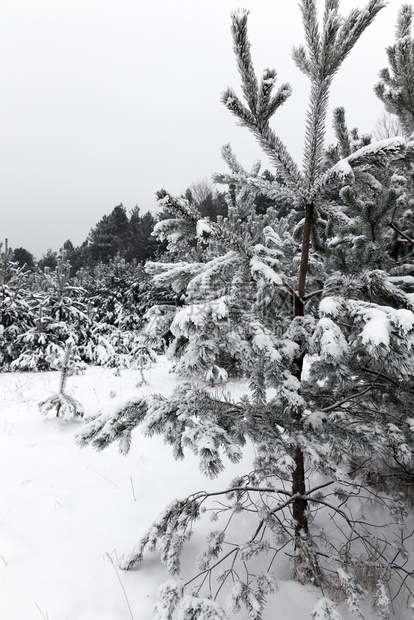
column 304, row 569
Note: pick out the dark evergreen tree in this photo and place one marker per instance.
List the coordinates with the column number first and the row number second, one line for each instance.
column 75, row 256
column 48, row 260
column 143, row 245
column 23, row 258
column 109, row 237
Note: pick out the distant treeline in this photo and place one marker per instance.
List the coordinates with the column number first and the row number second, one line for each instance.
column 128, row 234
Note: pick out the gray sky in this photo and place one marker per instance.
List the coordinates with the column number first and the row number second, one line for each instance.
column 104, row 101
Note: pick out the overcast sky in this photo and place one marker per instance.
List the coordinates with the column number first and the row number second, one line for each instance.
column 104, row 101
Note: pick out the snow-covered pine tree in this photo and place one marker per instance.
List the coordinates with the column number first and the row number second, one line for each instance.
column 221, row 293
column 16, row 315
column 379, row 205
column 114, row 293
column 396, row 85
column 59, row 314
column 396, row 90
column 367, row 243
column 331, row 372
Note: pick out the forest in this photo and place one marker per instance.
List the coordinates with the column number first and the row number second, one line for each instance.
column 95, row 295
column 298, row 285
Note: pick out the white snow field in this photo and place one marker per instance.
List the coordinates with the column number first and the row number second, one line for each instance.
column 69, row 514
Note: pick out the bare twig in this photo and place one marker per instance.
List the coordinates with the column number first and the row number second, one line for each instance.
column 400, row 232
column 104, row 477
column 133, row 489
column 312, row 294
column 46, row 617
column 345, row 400
column 122, row 586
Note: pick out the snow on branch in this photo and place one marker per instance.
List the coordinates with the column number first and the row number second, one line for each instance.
column 178, row 206
column 380, row 328
column 272, row 189
column 258, row 267
column 375, row 154
column 177, row 275
column 379, row 152
column 116, row 425
column 261, row 105
column 194, row 315
column 207, row 281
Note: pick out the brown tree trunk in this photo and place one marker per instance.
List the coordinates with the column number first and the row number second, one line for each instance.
column 303, row 570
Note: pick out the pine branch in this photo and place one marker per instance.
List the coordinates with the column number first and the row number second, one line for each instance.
column 404, row 21
column 242, row 51
column 355, row 24
column 261, row 106
column 378, row 154
column 341, row 132
column 315, row 132
column 349, row 398
column 269, row 141
column 323, row 58
column 242, row 178
column 311, row 28
column 401, row 233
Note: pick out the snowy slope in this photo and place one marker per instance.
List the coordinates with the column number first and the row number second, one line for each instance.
column 68, row 514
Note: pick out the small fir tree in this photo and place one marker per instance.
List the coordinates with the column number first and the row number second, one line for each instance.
column 62, row 404
column 59, row 314
column 16, row 307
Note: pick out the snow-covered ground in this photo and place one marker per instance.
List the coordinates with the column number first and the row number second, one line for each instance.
column 69, row 514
